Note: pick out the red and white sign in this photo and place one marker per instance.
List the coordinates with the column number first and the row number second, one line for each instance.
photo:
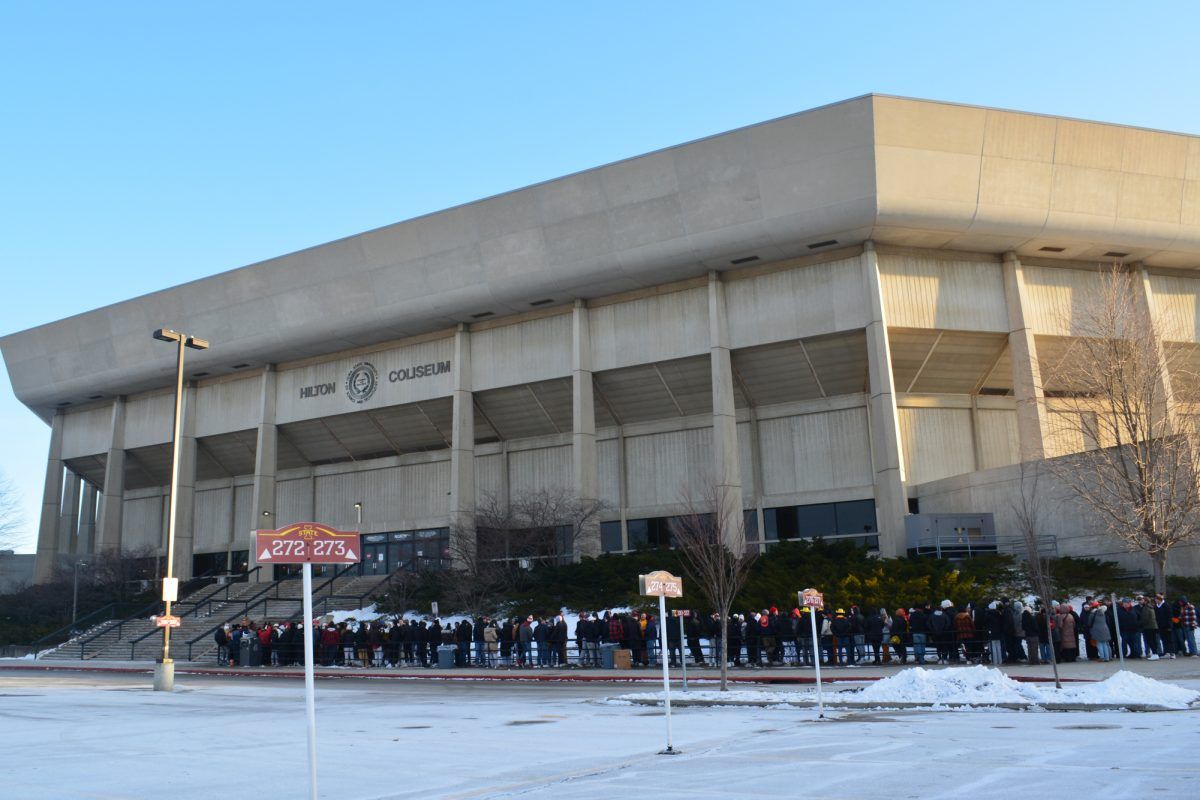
column 812, row 598
column 307, row 543
column 660, row 584
column 164, row 621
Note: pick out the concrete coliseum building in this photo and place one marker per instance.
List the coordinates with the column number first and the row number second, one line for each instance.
column 840, row 316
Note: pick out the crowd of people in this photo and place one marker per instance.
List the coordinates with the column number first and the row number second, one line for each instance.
column 1005, row 631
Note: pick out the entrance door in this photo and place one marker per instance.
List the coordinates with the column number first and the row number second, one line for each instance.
column 374, row 560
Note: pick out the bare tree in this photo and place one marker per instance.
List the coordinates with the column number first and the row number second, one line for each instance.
column 1026, row 509
column 12, row 522
column 717, row 570
column 1122, row 397
column 505, row 539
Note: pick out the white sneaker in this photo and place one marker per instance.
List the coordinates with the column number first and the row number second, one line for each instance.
column 1152, row 657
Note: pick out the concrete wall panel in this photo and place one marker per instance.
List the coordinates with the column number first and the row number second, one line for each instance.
column 937, row 442
column 86, row 432
column 393, row 497
column 654, row 328
column 668, row 468
column 489, row 477
column 815, row 451
column 228, row 406
column 142, row 524
column 924, row 292
column 293, row 502
column 795, row 303
column 608, row 475
column 148, row 420
column 1177, row 303
column 528, row 351
column 1058, row 298
column 212, row 522
column 544, row 469
column 245, row 517
column 997, row 433
column 397, row 383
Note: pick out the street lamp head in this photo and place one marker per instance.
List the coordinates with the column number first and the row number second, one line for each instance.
column 167, row 335
column 358, row 506
column 197, row 344
column 266, row 513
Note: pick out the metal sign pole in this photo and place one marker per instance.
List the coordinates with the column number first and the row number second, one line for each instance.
column 309, row 683
column 662, row 632
column 682, row 651
column 812, row 617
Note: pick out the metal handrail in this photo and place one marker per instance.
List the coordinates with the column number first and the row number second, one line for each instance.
column 211, row 600
column 120, row 626
column 246, row 609
column 71, row 627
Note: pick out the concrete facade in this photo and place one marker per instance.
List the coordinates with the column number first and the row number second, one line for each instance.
column 821, row 314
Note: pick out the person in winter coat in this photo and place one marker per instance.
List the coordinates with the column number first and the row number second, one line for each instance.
column 1099, row 632
column 1164, row 616
column 525, row 642
column 766, row 636
column 899, row 636
column 843, row 637
column 918, row 626
column 964, row 632
column 1068, row 643
column 1030, row 629
column 1148, row 625
column 692, row 632
column 1185, row 632
column 221, row 637
column 941, row 629
column 491, row 643
column 873, row 634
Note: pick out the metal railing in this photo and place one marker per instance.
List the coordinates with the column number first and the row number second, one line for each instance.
column 138, row 616
column 264, row 602
column 74, row 628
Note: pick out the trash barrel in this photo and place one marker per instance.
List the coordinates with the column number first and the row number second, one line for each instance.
column 244, row 651
column 606, row 655
column 445, row 655
column 255, row 650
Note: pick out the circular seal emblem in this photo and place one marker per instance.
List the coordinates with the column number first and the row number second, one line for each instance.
column 361, row 382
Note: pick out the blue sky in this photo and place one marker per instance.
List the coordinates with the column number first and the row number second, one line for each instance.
column 148, row 144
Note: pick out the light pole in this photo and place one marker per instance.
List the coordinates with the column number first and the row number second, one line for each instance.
column 75, row 595
column 164, row 669
column 358, row 523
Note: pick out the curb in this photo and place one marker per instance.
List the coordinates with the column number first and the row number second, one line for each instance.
column 476, row 677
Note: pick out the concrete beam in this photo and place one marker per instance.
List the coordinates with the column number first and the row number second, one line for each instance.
column 462, row 452
column 727, row 470
column 108, row 526
column 583, row 428
column 262, row 506
column 47, row 541
column 887, row 455
column 1032, row 421
column 68, row 521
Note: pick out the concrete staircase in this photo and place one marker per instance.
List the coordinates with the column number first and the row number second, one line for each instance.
column 137, row 639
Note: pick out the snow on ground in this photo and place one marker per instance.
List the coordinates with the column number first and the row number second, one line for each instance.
column 979, row 686
column 91, row 736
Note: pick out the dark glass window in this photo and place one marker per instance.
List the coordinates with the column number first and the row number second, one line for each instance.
column 239, row 561
column 751, row 522
column 610, row 536
column 816, row 520
column 857, row 516
column 207, row 564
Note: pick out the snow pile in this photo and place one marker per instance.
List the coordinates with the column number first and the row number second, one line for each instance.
column 1125, row 687
column 974, row 685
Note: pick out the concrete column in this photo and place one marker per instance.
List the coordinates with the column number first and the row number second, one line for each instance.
column 757, row 476
column 1032, row 420
column 185, row 504
column 887, row 455
column 727, row 472
column 112, row 500
column 263, row 496
column 52, row 491
column 1164, row 409
column 583, row 434
column 68, row 520
column 462, row 453
column 86, row 540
